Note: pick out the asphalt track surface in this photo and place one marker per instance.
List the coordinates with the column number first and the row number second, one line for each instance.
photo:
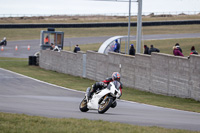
column 23, row 52
column 21, row 94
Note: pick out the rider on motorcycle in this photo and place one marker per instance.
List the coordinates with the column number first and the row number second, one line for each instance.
column 101, row 85
column 3, row 42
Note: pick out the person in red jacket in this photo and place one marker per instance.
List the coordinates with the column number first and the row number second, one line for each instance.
column 46, row 40
column 177, row 52
column 103, row 84
column 193, row 51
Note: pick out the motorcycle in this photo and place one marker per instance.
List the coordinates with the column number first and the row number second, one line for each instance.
column 3, row 42
column 103, row 99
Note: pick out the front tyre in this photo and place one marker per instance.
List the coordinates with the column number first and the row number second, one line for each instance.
column 114, row 104
column 83, row 105
column 105, row 105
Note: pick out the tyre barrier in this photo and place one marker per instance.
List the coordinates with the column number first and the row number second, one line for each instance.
column 32, row 60
column 92, row 25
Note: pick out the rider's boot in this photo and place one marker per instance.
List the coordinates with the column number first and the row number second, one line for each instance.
column 93, row 90
column 90, row 93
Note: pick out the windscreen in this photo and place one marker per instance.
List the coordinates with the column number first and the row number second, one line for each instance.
column 117, row 84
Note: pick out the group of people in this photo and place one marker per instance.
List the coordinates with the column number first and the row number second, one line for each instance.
column 177, row 51
column 148, row 50
column 56, row 48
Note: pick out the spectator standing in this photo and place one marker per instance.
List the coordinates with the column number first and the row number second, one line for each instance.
column 46, row 40
column 177, row 52
column 117, row 46
column 77, row 48
column 146, row 49
column 132, row 50
column 152, row 49
column 179, row 48
column 193, row 51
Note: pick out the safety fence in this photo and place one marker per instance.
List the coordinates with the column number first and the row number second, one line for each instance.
column 91, row 25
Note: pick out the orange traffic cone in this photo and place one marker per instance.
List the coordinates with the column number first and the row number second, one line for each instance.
column 29, row 47
column 16, row 47
column 2, row 49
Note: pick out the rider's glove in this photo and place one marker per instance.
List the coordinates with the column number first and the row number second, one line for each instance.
column 103, row 84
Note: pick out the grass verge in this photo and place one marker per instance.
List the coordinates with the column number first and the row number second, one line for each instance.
column 79, row 83
column 29, row 34
column 20, row 123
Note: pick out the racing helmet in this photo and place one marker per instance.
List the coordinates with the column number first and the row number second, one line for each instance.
column 116, row 76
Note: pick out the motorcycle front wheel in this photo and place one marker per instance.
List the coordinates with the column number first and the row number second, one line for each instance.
column 105, row 105
column 83, row 105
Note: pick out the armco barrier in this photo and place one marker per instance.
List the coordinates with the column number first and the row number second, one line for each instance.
column 91, row 25
column 158, row 73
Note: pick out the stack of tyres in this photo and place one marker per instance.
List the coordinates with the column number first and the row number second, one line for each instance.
column 33, row 60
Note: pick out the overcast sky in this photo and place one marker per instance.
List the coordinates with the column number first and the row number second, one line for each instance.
column 93, row 7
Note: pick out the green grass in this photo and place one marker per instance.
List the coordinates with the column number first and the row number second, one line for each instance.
column 20, row 123
column 29, row 34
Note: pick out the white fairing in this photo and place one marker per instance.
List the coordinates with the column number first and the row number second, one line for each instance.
column 112, row 88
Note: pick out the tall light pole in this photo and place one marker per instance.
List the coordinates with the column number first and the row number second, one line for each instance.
column 139, row 27
column 129, row 23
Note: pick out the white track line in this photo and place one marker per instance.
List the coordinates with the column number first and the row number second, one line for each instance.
column 40, row 81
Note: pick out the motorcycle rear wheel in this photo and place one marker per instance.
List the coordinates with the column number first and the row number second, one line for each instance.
column 103, row 107
column 83, row 105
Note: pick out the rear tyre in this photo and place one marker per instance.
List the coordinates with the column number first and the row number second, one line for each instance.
column 83, row 105
column 105, row 105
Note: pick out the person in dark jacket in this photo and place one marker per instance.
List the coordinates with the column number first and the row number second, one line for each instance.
column 117, row 46
column 152, row 49
column 193, row 51
column 177, row 52
column 52, row 46
column 132, row 50
column 146, row 49
column 77, row 48
column 179, row 48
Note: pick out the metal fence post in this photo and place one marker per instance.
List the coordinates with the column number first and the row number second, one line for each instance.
column 84, row 65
